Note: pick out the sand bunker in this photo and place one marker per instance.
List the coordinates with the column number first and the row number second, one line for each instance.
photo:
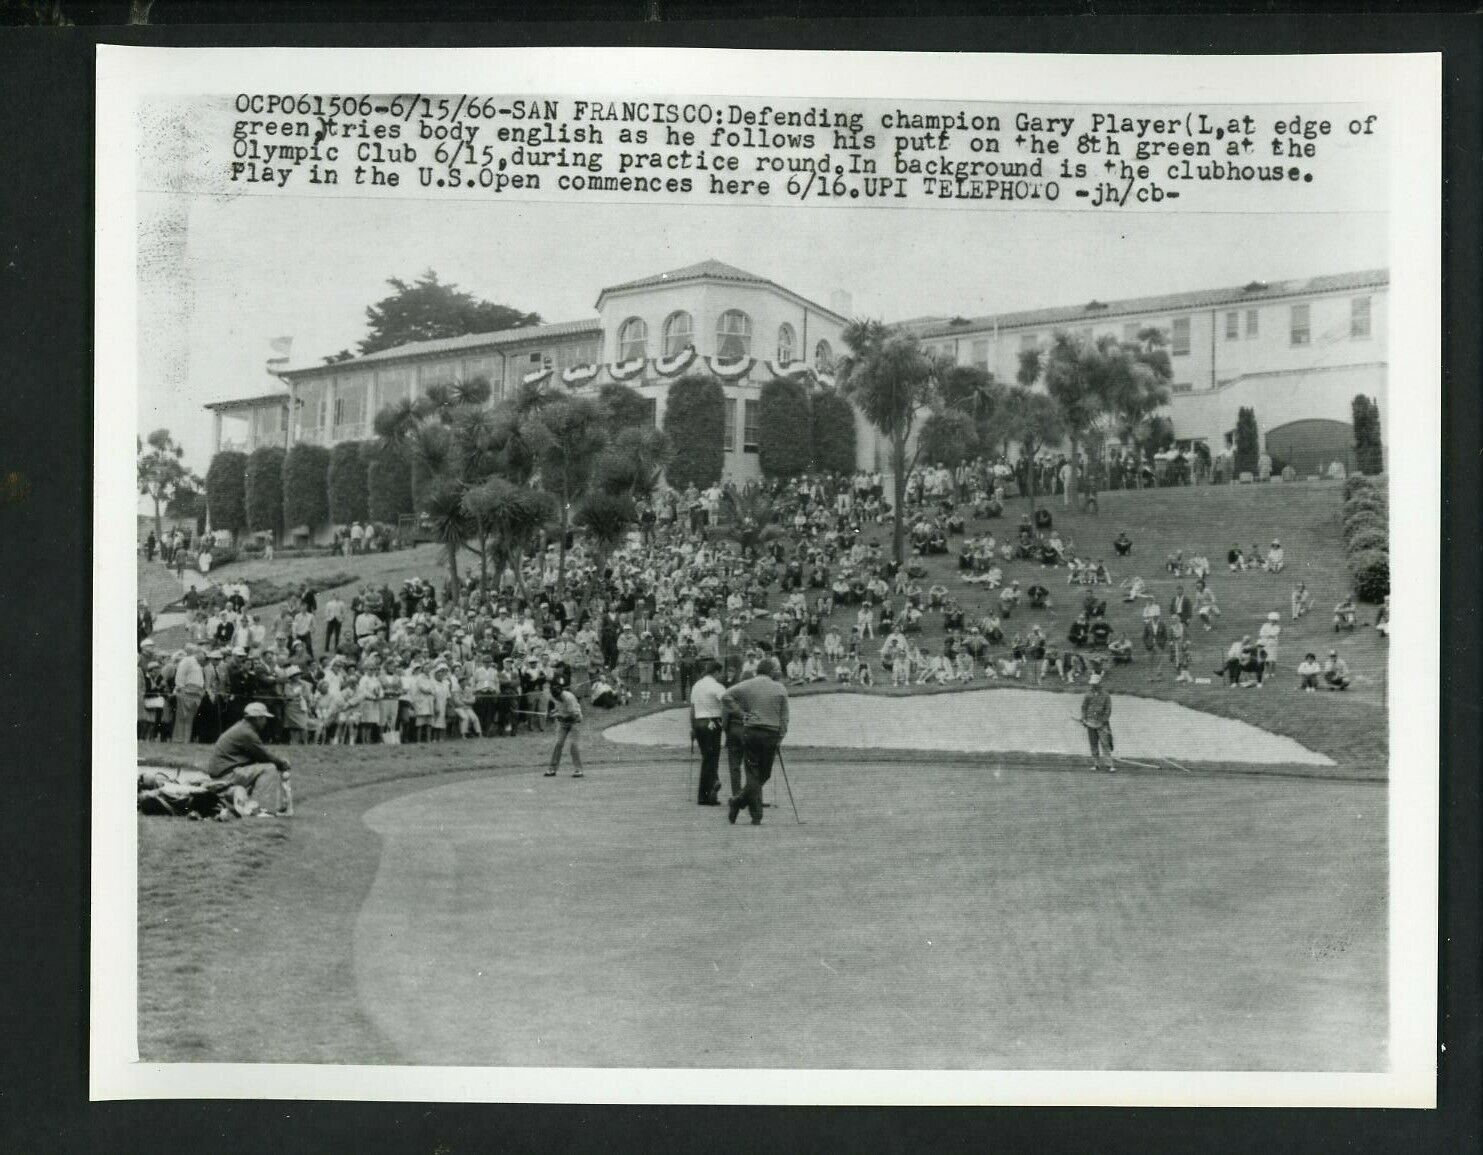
column 1001, row 721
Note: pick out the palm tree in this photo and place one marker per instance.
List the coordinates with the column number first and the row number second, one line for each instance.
column 505, row 517
column 888, row 375
column 606, row 517
column 752, row 519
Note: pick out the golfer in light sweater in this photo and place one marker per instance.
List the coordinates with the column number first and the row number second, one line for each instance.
column 762, row 704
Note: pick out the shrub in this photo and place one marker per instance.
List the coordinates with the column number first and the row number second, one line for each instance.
column 388, row 482
column 784, row 443
column 1369, row 452
column 833, row 429
column 695, row 419
column 626, row 406
column 347, row 483
column 226, row 491
column 264, row 487
column 1358, row 483
column 1248, row 442
column 1360, row 522
column 1365, row 539
column 1365, row 503
column 306, row 471
column 1371, row 572
column 269, row 591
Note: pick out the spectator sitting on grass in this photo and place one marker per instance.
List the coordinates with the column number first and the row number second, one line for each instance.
column 1336, row 672
column 1122, row 544
column 1345, row 615
column 1308, row 671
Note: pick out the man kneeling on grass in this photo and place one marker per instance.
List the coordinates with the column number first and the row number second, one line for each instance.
column 244, row 770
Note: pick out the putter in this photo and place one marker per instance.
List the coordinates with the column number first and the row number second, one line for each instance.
column 784, row 767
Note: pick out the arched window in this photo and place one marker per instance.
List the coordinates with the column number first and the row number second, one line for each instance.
column 679, row 334
column 823, row 357
column 733, row 335
column 786, row 347
column 633, row 339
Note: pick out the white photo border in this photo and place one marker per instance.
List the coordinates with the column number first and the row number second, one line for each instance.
column 1408, row 86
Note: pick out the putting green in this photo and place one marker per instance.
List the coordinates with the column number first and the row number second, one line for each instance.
column 1009, row 720
column 926, row 916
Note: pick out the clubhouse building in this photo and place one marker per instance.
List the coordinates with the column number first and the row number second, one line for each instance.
column 1296, row 352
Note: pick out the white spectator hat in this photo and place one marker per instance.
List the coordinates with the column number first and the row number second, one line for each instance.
column 292, row 672
column 1095, row 680
column 1274, row 616
column 256, row 710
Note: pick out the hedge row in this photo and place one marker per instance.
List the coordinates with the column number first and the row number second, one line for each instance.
column 308, row 485
column 1366, row 515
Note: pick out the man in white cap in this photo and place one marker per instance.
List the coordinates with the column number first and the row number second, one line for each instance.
column 1096, row 716
column 239, row 759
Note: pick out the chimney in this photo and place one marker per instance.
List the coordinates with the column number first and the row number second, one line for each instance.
column 281, row 347
column 840, row 302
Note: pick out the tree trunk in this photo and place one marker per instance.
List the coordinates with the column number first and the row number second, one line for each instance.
column 898, row 512
column 1072, row 473
column 561, row 549
column 484, row 563
column 453, row 565
column 159, row 526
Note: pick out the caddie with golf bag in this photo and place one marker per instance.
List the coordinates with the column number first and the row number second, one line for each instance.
column 762, row 704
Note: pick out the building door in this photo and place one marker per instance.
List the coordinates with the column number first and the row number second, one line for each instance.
column 1311, row 446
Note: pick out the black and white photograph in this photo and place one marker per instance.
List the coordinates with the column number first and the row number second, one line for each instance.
column 707, row 578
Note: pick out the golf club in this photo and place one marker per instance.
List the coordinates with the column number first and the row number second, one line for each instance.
column 784, row 767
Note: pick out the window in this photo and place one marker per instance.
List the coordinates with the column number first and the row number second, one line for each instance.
column 536, row 358
column 1130, row 333
column 728, row 439
column 438, row 373
column 749, row 430
column 786, row 345
column 1359, row 317
column 733, row 335
column 679, row 334
column 1181, row 387
column 981, row 354
column 633, row 339
column 1251, row 315
column 823, row 357
column 1181, row 336
column 393, row 384
column 1028, row 341
column 1233, row 325
column 1299, row 327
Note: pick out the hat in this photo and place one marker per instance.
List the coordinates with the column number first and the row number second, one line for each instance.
column 256, row 710
column 214, row 655
column 1274, row 616
column 1095, row 680
column 147, row 644
column 239, row 652
column 1276, row 542
column 292, row 672
column 1333, row 653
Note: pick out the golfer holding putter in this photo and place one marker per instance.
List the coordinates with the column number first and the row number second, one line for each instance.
column 569, row 721
column 762, row 704
column 1096, row 716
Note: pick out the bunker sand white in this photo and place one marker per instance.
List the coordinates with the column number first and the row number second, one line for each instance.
column 1002, row 721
